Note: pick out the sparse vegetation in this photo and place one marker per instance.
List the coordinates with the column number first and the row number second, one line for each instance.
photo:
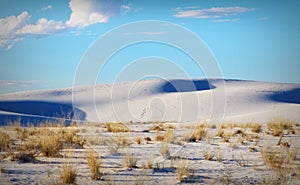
column 118, row 147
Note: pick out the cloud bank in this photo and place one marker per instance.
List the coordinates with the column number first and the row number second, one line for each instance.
column 215, row 12
column 84, row 13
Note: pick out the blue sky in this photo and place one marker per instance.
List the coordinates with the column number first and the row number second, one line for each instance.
column 42, row 42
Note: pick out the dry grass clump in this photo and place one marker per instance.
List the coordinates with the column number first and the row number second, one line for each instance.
column 278, row 157
column 116, row 127
column 138, row 140
column 169, row 136
column 94, row 163
column 123, row 140
column 24, row 156
column 22, row 133
column 199, row 133
column 277, row 126
column 159, row 137
column 50, row 144
column 220, row 131
column 255, row 127
column 162, row 127
column 209, row 155
column 68, row 174
column 5, row 141
column 219, row 155
column 182, row 170
column 129, row 160
column 164, row 150
column 239, row 132
column 70, row 136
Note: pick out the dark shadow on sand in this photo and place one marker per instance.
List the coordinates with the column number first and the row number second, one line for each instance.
column 36, row 112
column 185, row 86
column 291, row 96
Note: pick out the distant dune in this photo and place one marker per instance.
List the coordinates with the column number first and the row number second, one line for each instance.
column 157, row 100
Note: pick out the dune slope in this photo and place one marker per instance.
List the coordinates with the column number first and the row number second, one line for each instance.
column 157, row 100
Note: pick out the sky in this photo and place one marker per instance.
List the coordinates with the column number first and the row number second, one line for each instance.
column 42, row 43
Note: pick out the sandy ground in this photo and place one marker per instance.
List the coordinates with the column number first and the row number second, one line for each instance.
column 238, row 161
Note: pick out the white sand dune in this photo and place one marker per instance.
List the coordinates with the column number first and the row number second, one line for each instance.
column 158, row 100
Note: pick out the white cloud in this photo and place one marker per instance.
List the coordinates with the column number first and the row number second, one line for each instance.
column 225, row 20
column 146, row 33
column 47, row 7
column 84, row 13
column 126, row 8
column 215, row 12
column 263, row 18
column 42, row 27
column 17, row 82
column 9, row 26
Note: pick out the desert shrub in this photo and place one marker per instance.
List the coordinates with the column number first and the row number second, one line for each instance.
column 68, row 174
column 182, row 170
column 5, row 141
column 94, row 163
column 116, row 127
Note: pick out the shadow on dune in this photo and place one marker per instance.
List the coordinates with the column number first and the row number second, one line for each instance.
column 185, row 86
column 291, row 96
column 37, row 112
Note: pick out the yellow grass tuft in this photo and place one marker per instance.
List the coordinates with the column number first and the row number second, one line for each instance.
column 116, row 127
column 50, row 144
column 94, row 163
column 68, row 174
column 5, row 141
column 182, row 170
